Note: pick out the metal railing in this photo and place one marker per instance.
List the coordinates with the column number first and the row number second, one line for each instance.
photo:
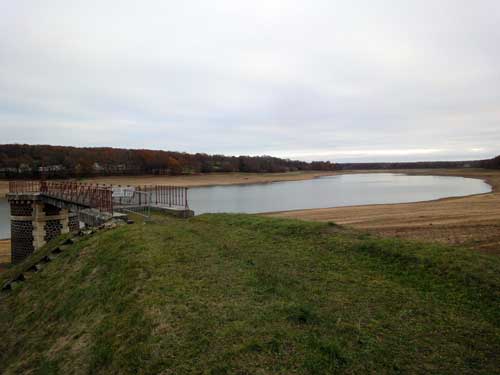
column 134, row 201
column 88, row 195
column 104, row 197
column 171, row 196
column 19, row 187
column 85, row 194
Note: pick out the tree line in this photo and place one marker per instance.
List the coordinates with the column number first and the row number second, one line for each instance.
column 22, row 160
column 491, row 163
column 34, row 161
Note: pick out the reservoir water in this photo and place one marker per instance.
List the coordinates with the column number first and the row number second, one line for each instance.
column 330, row 191
column 4, row 219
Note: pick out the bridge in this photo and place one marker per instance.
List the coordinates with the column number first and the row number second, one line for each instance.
column 43, row 210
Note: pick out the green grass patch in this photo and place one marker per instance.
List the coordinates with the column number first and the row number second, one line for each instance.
column 225, row 294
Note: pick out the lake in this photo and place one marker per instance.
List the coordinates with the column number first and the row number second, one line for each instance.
column 4, row 219
column 331, row 191
column 328, row 191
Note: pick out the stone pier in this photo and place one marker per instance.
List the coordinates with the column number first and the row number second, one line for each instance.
column 35, row 222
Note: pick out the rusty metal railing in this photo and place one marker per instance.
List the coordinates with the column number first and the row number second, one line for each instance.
column 89, row 195
column 19, row 187
column 103, row 197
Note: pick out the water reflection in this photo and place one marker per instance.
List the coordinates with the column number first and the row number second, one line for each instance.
column 332, row 191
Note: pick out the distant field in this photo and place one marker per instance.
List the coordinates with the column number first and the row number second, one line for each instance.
column 242, row 294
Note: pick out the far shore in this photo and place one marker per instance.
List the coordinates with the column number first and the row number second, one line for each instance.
column 211, row 179
column 201, row 179
column 472, row 221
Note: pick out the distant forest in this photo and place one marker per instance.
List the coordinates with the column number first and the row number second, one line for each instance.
column 32, row 161
column 490, row 163
column 18, row 160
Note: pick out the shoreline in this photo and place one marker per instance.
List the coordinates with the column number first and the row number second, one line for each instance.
column 199, row 180
column 239, row 178
column 494, row 189
column 214, row 179
column 472, row 221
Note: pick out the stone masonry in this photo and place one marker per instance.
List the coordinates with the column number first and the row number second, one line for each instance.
column 34, row 223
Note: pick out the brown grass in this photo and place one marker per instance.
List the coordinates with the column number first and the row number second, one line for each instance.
column 472, row 221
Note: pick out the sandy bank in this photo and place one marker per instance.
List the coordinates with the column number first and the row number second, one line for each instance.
column 209, row 179
column 4, row 251
column 472, row 221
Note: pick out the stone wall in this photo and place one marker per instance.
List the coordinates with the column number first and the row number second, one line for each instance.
column 34, row 223
column 73, row 223
column 21, row 229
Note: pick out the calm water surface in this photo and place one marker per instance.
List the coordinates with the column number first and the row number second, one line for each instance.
column 333, row 191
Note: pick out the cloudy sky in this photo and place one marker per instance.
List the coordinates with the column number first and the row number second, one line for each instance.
column 353, row 80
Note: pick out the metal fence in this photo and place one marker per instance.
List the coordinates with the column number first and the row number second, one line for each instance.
column 169, row 196
column 134, row 201
column 105, row 197
column 19, row 187
column 88, row 195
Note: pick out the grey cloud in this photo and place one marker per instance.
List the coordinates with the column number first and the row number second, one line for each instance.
column 337, row 80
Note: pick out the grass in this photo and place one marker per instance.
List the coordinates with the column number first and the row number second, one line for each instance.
column 225, row 294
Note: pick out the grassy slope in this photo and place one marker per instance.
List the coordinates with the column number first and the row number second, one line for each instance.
column 245, row 294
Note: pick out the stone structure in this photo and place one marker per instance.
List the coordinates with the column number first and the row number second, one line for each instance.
column 35, row 222
column 40, row 210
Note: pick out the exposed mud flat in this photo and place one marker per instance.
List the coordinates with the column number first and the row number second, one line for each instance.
column 472, row 221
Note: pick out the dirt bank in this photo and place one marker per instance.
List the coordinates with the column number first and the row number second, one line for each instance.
column 472, row 221
column 4, row 252
column 202, row 179
column 208, row 179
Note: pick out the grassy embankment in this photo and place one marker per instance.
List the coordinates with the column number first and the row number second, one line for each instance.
column 247, row 294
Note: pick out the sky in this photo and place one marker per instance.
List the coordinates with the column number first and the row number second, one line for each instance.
column 346, row 81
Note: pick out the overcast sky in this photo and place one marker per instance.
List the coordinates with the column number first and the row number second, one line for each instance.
column 332, row 80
